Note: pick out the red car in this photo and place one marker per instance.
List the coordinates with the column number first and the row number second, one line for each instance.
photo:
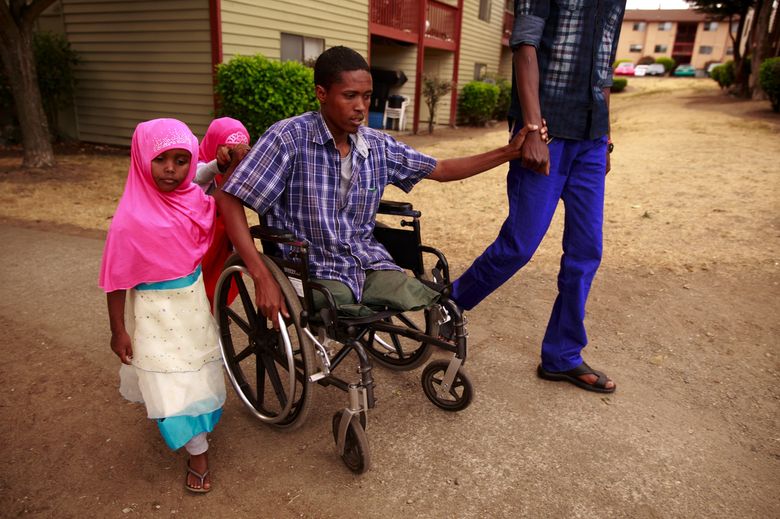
column 624, row 69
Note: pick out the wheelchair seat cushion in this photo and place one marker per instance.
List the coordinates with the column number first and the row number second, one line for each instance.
column 383, row 289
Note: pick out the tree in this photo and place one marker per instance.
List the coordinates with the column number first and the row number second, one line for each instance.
column 729, row 11
column 16, row 49
column 433, row 90
column 761, row 45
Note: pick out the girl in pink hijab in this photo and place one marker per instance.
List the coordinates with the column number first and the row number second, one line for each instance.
column 223, row 135
column 161, row 324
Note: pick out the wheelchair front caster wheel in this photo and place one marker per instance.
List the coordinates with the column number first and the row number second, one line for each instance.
column 455, row 398
column 356, row 455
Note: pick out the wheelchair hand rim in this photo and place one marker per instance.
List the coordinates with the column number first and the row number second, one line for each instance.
column 287, row 350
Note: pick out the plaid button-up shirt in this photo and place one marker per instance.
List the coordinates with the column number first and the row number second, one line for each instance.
column 576, row 42
column 292, row 176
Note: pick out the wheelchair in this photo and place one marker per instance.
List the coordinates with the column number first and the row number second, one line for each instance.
column 274, row 372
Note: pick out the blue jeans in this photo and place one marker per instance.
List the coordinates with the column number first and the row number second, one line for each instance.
column 577, row 175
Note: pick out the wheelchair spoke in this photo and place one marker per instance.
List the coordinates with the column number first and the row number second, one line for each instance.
column 239, row 322
column 408, row 322
column 246, row 352
column 276, row 382
column 246, row 299
column 260, row 381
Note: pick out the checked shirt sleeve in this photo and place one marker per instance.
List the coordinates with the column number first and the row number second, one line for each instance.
column 406, row 166
column 260, row 178
column 530, row 18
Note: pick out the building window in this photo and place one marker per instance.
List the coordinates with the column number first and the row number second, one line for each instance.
column 302, row 49
column 484, row 9
column 640, row 26
column 705, row 49
column 665, row 26
column 635, row 47
column 710, row 26
column 730, row 51
column 734, row 27
column 480, row 71
column 660, row 48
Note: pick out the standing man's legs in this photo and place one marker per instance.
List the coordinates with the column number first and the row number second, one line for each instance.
column 533, row 199
column 583, row 197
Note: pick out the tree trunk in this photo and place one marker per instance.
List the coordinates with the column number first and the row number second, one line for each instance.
column 761, row 46
column 16, row 48
column 740, row 81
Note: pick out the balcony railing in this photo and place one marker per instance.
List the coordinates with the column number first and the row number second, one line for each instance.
column 509, row 23
column 441, row 21
column 683, row 48
column 400, row 15
column 398, row 19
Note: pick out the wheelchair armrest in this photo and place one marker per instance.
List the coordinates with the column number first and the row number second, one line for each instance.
column 397, row 209
column 329, row 315
column 273, row 234
column 442, row 265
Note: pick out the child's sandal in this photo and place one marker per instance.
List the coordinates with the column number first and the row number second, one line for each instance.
column 201, row 477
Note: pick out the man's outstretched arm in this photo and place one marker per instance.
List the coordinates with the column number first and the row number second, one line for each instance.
column 464, row 167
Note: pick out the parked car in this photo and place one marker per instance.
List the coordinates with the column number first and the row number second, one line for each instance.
column 687, row 70
column 655, row 69
column 624, row 69
column 640, row 70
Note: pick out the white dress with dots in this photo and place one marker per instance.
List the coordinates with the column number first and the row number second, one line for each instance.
column 176, row 367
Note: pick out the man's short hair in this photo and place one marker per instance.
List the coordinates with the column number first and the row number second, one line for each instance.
column 334, row 61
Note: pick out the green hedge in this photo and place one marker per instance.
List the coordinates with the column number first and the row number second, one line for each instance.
column 668, row 63
column 618, row 84
column 769, row 77
column 478, row 102
column 258, row 92
column 724, row 74
column 504, row 99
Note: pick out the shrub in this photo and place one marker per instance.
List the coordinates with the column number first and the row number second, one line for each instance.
column 433, row 90
column 619, row 61
column 769, row 77
column 258, row 92
column 715, row 73
column 724, row 74
column 504, row 98
column 668, row 63
column 646, row 60
column 54, row 62
column 618, row 84
column 478, row 102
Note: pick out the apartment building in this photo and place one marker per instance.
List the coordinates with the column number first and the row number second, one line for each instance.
column 682, row 34
column 143, row 59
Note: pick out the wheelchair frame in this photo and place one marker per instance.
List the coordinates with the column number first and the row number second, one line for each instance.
column 445, row 382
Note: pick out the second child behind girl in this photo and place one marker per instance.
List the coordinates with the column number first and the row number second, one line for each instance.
column 223, row 135
column 161, row 325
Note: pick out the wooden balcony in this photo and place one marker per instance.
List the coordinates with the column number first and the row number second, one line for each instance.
column 509, row 23
column 400, row 20
column 683, row 48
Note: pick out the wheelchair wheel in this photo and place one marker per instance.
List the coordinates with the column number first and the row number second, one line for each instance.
column 458, row 397
column 400, row 353
column 269, row 378
column 356, row 455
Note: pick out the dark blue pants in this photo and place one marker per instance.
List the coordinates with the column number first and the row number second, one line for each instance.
column 576, row 177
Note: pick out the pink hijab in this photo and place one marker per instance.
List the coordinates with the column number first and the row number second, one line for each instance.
column 224, row 130
column 157, row 236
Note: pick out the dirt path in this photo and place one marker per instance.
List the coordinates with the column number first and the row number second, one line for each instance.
column 684, row 315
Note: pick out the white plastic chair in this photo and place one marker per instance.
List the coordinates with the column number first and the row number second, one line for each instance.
column 396, row 113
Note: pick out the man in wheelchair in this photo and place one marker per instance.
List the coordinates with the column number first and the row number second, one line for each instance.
column 321, row 176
